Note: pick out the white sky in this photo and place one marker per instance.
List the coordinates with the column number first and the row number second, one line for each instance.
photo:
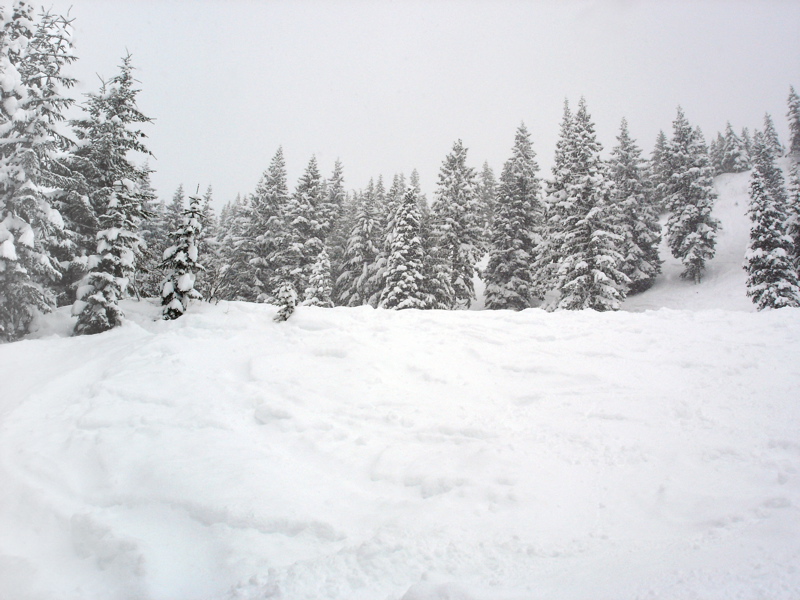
column 389, row 86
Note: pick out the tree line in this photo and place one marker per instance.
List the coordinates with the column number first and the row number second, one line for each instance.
column 81, row 225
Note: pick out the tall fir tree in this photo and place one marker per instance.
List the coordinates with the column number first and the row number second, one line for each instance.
column 456, row 224
column 545, row 265
column 33, row 238
column 181, row 261
column 404, row 281
column 734, row 155
column 268, row 229
column 359, row 282
column 793, row 202
column 637, row 216
column 487, row 198
column 771, row 138
column 237, row 281
column 793, row 115
column 114, row 185
column 516, row 230
column 716, row 154
column 771, row 276
column 688, row 190
column 588, row 270
column 304, row 227
column 657, row 172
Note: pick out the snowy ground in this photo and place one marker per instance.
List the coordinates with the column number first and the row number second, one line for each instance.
column 360, row 454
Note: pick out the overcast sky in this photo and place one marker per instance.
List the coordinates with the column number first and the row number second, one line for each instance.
column 389, row 86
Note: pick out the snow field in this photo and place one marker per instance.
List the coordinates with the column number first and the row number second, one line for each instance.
column 354, row 453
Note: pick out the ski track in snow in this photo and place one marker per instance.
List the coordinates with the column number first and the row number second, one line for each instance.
column 361, row 454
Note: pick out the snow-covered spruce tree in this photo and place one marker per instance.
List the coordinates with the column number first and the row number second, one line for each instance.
column 487, row 197
column 319, row 290
column 107, row 134
column 734, row 155
column 657, row 173
column 793, row 202
column 456, row 224
column 304, row 228
column 515, row 230
column 119, row 246
column 268, row 230
column 771, row 138
column 747, row 141
column 794, row 125
column 716, row 154
column 638, row 218
column 237, row 280
column 588, row 274
column 181, row 263
column 358, row 282
column 549, row 255
column 209, row 279
column 32, row 172
column 688, row 190
column 403, row 277
column 771, row 276
column 286, row 299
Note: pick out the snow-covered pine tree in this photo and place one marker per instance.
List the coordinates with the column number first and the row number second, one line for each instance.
column 181, row 262
column 456, row 224
column 156, row 231
column 716, row 154
column 330, row 208
column 358, row 282
column 33, row 174
column 114, row 187
column 403, row 277
column 734, row 156
column 237, row 281
column 771, row 138
column 319, row 290
column 516, row 230
column 487, row 197
column 286, row 299
column 436, row 288
column 549, row 255
column 637, row 216
column 268, row 229
column 209, row 278
column 793, row 202
column 588, row 274
column 793, row 115
column 688, row 190
column 771, row 276
column 305, row 230
column 119, row 246
column 657, row 172
column 747, row 141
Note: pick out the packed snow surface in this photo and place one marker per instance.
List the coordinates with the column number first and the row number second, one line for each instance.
column 362, row 454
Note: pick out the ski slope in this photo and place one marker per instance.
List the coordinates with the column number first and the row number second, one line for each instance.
column 363, row 454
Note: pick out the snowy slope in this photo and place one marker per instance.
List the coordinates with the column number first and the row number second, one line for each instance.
column 360, row 454
column 723, row 284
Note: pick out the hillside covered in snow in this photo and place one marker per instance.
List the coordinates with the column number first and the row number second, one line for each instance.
column 362, row 454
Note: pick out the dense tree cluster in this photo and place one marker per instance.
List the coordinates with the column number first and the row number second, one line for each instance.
column 81, row 225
